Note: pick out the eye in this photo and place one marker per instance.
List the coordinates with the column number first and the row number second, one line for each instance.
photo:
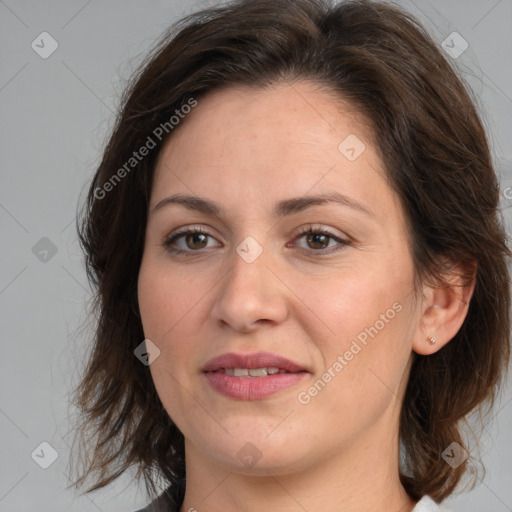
column 191, row 240
column 318, row 240
column 187, row 241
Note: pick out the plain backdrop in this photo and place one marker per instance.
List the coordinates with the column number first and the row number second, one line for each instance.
column 55, row 114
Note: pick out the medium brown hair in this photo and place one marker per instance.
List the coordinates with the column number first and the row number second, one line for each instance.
column 436, row 155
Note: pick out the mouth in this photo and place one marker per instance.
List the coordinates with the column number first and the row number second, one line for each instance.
column 252, row 376
column 260, row 364
column 252, row 372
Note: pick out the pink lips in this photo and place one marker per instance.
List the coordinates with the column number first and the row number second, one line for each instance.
column 256, row 360
column 252, row 388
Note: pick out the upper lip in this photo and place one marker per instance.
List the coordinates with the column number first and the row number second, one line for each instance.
column 255, row 360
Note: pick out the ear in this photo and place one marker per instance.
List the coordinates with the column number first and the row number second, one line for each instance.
column 444, row 308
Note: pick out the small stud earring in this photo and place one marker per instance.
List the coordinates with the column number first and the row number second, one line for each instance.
column 431, row 339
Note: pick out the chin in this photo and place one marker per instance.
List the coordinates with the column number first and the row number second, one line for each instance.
column 261, row 456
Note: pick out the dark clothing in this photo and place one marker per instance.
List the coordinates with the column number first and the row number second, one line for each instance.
column 169, row 501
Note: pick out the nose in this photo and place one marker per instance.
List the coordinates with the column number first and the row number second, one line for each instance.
column 250, row 295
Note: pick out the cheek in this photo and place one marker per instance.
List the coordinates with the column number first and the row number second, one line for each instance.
column 167, row 300
column 163, row 307
column 353, row 300
column 369, row 317
column 173, row 310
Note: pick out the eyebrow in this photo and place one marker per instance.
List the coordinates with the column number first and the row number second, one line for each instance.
column 281, row 208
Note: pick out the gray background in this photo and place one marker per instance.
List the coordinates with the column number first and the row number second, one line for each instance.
column 56, row 113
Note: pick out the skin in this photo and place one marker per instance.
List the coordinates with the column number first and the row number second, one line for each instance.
column 246, row 149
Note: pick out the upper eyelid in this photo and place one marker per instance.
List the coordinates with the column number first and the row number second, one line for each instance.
column 299, row 232
column 189, row 229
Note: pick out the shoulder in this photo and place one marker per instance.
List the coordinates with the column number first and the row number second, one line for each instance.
column 170, row 500
column 159, row 506
column 427, row 504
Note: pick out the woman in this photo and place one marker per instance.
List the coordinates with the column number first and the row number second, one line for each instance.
column 302, row 284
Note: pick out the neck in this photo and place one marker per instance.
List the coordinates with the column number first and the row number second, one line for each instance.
column 362, row 478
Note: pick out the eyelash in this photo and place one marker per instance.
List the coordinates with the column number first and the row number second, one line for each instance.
column 308, row 230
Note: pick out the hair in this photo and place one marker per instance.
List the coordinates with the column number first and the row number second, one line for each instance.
column 434, row 149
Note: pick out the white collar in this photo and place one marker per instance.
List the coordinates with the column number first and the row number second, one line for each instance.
column 426, row 504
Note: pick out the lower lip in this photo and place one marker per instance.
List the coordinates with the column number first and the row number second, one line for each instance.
column 252, row 388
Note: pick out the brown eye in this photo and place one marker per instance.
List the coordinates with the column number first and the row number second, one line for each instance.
column 190, row 241
column 317, row 240
column 196, row 240
column 320, row 241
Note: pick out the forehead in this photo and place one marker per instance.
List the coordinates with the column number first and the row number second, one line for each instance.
column 302, row 112
column 259, row 143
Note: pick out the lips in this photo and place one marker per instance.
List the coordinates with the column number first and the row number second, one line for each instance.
column 252, row 376
column 232, row 361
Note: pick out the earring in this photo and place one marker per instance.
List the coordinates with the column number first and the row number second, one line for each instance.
column 431, row 339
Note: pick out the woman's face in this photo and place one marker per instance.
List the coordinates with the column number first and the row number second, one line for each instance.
column 339, row 304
